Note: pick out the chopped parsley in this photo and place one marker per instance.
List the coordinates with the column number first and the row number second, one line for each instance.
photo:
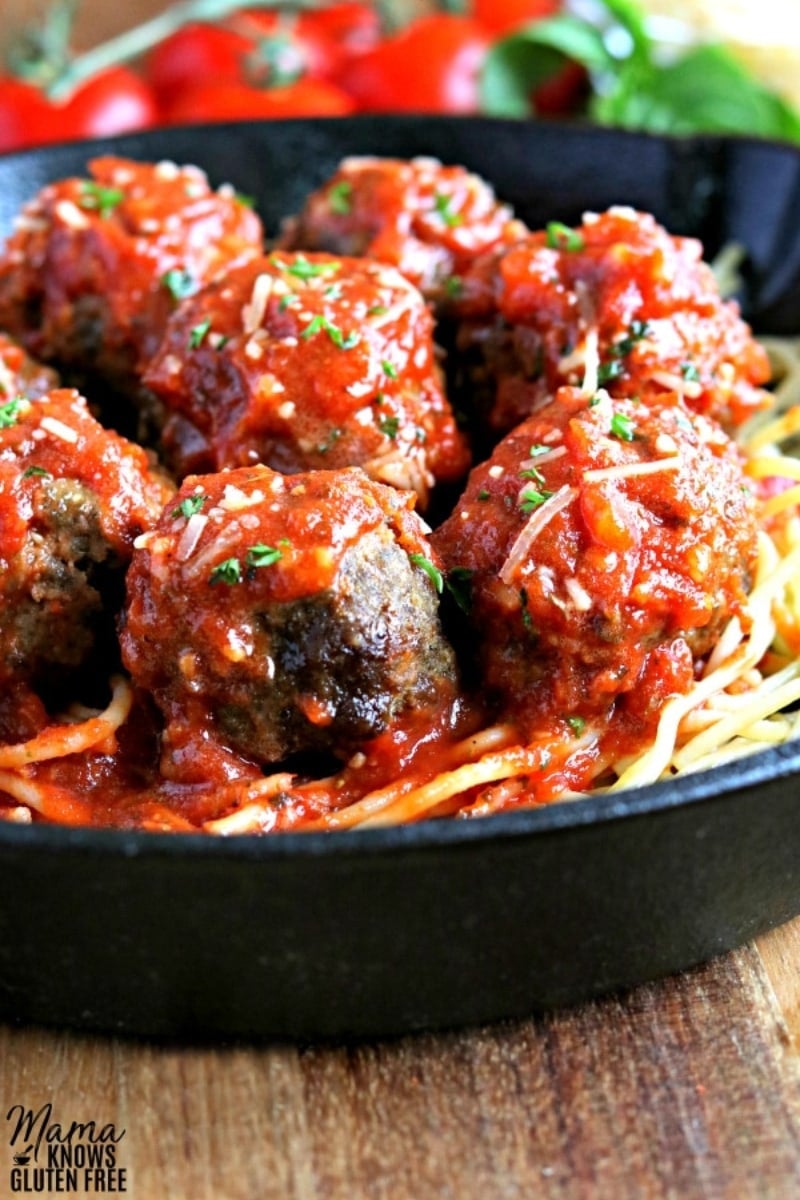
column 538, row 448
column 102, row 200
column 432, row 571
column 389, row 369
column 9, row 412
column 377, row 310
column 563, row 237
column 533, row 473
column 301, row 268
column 287, row 301
column 453, row 286
column 443, row 207
column 245, row 201
column 459, row 585
column 189, row 506
column 577, row 725
column 36, row 472
column 483, row 494
column 622, row 427
column 340, row 197
column 320, row 322
column 179, row 283
column 690, row 372
column 389, row 426
column 608, row 371
column 329, row 442
column 198, row 333
column 261, row 555
column 637, row 330
column 527, row 619
column 532, row 498
column 229, row 571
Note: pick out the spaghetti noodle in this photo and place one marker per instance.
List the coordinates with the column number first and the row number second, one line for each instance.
column 153, row 756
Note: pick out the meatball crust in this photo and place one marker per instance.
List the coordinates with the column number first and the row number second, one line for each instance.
column 429, row 220
column 307, row 362
column 282, row 614
column 96, row 265
column 73, row 497
column 649, row 300
column 599, row 533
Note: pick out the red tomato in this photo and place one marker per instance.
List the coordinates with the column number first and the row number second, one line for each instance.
column 501, row 16
column 430, row 66
column 194, row 53
column 284, row 47
column 113, row 101
column 240, row 101
column 26, row 116
column 350, row 29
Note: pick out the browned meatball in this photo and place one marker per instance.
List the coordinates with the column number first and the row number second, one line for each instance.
column 307, row 362
column 646, row 299
column 279, row 614
column 96, row 265
column 73, row 497
column 430, row 221
column 605, row 542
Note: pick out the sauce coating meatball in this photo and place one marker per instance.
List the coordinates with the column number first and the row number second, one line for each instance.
column 602, row 543
column 429, row 220
column 21, row 375
column 96, row 265
column 278, row 613
column 648, row 299
column 73, row 497
column 306, row 362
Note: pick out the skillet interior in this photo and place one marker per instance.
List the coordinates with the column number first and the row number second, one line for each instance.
column 444, row 923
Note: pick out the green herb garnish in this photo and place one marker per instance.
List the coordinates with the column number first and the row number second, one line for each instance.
column 442, row 205
column 229, row 571
column 261, row 555
column 102, row 200
column 38, row 472
column 198, row 333
column 432, row 571
column 189, row 506
column 622, row 427
column 179, row 283
column 389, row 426
column 9, row 412
column 340, row 197
column 532, row 498
column 563, row 237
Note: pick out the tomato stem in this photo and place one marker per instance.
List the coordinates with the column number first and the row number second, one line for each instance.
column 141, row 38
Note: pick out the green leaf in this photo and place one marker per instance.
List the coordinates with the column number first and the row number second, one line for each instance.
column 516, row 65
column 705, row 90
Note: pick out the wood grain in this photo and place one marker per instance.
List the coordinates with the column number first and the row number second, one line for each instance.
column 684, row 1089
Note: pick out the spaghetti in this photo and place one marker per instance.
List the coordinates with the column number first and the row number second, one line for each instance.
column 650, row 413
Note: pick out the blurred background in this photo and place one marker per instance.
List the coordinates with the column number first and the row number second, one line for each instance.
column 674, row 66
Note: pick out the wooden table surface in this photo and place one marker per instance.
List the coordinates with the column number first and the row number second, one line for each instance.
column 686, row 1088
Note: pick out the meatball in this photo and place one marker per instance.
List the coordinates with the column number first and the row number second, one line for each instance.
column 648, row 299
column 306, row 362
column 430, row 221
column 600, row 533
column 21, row 375
column 96, row 265
column 278, row 614
column 73, row 497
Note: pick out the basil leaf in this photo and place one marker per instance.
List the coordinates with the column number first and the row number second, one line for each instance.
column 517, row 64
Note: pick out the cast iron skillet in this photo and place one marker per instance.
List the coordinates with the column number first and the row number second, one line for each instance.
column 439, row 924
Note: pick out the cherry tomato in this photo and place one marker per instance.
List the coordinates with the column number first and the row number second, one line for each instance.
column 501, row 16
column 196, row 52
column 240, row 101
column 430, row 66
column 26, row 116
column 113, row 101
column 284, row 47
column 563, row 93
column 349, row 28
